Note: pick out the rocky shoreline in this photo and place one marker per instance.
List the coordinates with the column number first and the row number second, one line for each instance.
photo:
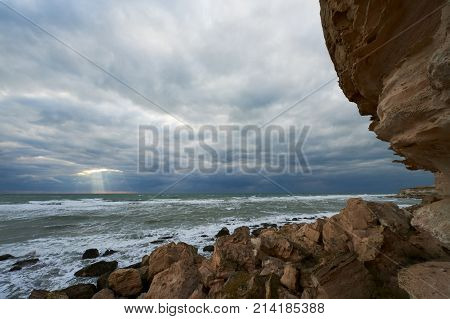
column 368, row 250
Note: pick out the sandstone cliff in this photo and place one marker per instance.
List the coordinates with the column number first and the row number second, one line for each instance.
column 392, row 58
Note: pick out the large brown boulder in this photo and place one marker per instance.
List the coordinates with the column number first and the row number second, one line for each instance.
column 341, row 277
column 164, row 256
column 234, row 252
column 276, row 244
column 360, row 228
column 429, row 280
column 179, row 281
column 125, row 282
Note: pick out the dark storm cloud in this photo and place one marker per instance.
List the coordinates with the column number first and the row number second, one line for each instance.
column 208, row 62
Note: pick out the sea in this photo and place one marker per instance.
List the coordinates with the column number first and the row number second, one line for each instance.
column 57, row 229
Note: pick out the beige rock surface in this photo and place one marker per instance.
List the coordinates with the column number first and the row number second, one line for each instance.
column 125, row 282
column 426, row 280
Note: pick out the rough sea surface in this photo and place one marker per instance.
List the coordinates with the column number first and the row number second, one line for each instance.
column 57, row 229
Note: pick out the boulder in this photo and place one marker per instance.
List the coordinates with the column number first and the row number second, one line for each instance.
column 179, row 281
column 275, row 244
column 24, row 263
column 90, row 254
column 435, row 219
column 223, row 232
column 342, row 277
column 109, row 252
column 429, row 280
column 360, row 227
column 104, row 294
column 80, row 291
column 97, row 269
column 6, row 257
column 125, row 282
column 38, row 294
column 209, row 248
column 235, row 252
column 163, row 257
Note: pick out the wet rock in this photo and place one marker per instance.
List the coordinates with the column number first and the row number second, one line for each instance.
column 235, row 252
column 134, row 266
column 90, row 254
column 38, row 294
column 6, row 257
column 104, row 294
column 209, row 248
column 166, row 237
column 158, row 241
column 429, row 280
column 102, row 281
column 109, row 252
column 97, row 269
column 80, row 291
column 15, row 268
column 269, row 225
column 24, row 263
column 204, row 236
column 257, row 232
column 223, row 232
column 125, row 282
column 163, row 257
column 180, row 280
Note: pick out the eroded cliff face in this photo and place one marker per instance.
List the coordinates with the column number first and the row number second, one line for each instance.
column 393, row 61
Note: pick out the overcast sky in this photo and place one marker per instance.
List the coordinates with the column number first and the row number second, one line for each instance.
column 66, row 126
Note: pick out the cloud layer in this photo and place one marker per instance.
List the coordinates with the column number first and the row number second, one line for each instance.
column 206, row 62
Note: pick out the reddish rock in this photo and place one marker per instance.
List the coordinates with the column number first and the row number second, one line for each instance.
column 163, row 257
column 235, row 252
column 125, row 282
column 342, row 277
column 179, row 281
